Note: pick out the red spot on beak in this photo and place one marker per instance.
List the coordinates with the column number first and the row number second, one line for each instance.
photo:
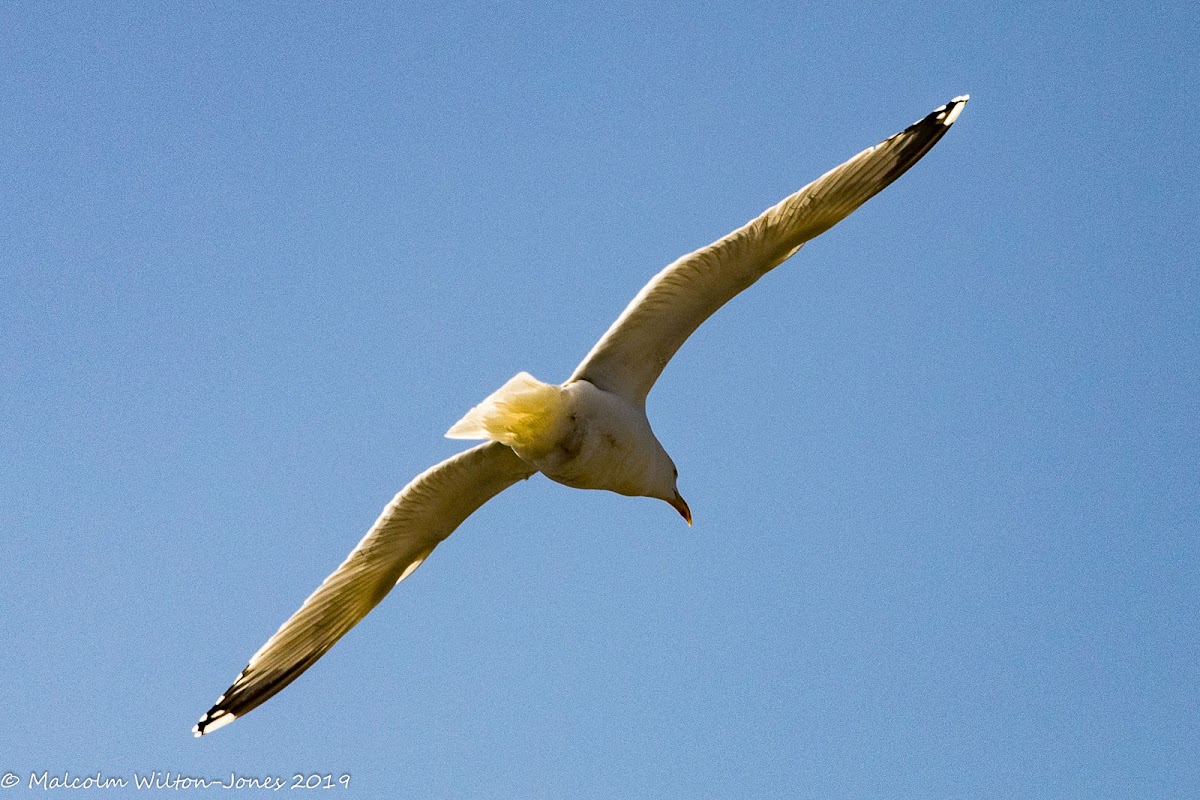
column 679, row 505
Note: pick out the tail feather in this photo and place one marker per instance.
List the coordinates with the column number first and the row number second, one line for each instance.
column 524, row 413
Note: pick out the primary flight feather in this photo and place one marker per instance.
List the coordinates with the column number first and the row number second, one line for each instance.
column 590, row 432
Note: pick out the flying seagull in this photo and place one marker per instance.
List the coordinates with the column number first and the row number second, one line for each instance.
column 590, row 432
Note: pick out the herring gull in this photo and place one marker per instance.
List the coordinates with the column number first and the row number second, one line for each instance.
column 590, row 432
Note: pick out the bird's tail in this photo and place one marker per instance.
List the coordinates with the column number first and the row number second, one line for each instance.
column 524, row 414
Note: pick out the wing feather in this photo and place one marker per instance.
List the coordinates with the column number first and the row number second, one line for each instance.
column 424, row 513
column 629, row 358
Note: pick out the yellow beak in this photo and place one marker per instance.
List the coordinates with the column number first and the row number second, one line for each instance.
column 679, row 505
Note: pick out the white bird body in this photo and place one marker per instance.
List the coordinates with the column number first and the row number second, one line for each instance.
column 575, row 434
column 588, row 433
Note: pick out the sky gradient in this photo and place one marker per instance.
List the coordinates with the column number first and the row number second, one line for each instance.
column 256, row 258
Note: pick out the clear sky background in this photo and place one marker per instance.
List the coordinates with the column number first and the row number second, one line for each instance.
column 256, row 258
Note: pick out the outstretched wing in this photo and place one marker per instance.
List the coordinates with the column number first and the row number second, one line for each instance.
column 423, row 514
column 630, row 356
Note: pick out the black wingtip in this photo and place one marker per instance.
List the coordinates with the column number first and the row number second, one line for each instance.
column 219, row 715
column 954, row 108
column 251, row 689
column 923, row 134
column 214, row 718
column 944, row 115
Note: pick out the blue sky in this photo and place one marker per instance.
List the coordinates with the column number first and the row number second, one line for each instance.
column 255, row 259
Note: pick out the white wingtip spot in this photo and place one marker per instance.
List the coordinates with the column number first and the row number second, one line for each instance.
column 957, row 105
column 212, row 723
